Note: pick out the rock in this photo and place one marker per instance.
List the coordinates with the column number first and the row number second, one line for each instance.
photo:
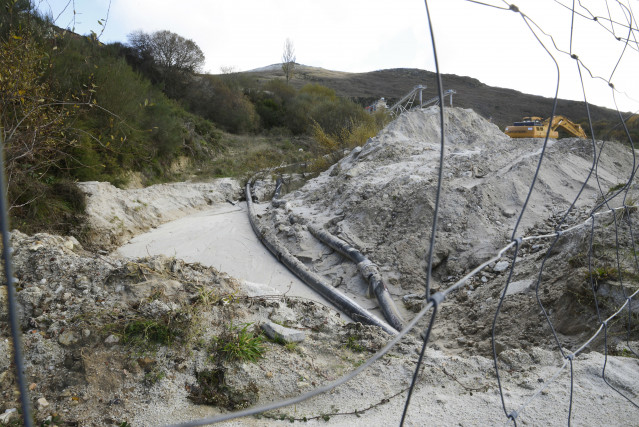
column 112, row 339
column 508, row 213
column 519, row 286
column 9, row 415
column 501, row 266
column 42, row 403
column 280, row 333
column 37, row 246
column 155, row 309
column 82, row 283
column 67, row 338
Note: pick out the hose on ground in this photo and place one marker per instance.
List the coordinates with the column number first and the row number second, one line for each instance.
column 316, row 282
column 368, row 270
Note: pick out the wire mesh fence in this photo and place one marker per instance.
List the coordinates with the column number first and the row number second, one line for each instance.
column 610, row 224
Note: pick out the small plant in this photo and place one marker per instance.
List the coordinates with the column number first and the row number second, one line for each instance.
column 154, row 376
column 291, row 346
column 353, row 344
column 239, row 343
column 600, row 275
column 144, row 331
column 206, row 296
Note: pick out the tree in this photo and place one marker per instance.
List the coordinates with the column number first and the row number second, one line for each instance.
column 288, row 60
column 167, row 57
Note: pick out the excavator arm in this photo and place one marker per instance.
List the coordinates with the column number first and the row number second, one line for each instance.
column 572, row 128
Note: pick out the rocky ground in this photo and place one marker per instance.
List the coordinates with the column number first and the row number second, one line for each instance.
column 115, row 341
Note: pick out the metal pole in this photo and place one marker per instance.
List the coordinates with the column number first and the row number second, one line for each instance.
column 11, row 295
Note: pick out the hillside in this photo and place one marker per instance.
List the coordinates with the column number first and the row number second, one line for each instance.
column 501, row 106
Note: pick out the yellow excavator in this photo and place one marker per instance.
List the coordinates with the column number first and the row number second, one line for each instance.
column 535, row 127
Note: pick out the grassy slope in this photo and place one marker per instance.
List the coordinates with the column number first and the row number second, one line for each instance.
column 503, row 106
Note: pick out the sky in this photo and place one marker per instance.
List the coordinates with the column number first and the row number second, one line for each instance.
column 492, row 45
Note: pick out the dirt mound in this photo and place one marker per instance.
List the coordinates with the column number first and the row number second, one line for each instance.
column 381, row 198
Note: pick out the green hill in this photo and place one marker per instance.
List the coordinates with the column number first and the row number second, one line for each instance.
column 502, row 106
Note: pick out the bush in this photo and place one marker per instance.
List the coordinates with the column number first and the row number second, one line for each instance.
column 212, row 99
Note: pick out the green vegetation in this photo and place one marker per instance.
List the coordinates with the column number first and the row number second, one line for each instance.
column 238, row 343
column 143, row 331
column 352, row 343
column 73, row 109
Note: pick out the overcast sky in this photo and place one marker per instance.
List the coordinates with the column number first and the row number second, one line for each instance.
column 492, row 45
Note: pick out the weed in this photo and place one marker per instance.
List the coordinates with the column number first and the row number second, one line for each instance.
column 353, row 344
column 206, row 296
column 238, row 343
column 616, row 187
column 154, row 376
column 291, row 346
column 143, row 331
column 624, row 352
column 600, row 275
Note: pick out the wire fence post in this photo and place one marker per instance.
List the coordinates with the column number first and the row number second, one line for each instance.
column 14, row 322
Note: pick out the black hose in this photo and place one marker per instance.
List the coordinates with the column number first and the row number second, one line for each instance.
column 368, row 270
column 316, row 282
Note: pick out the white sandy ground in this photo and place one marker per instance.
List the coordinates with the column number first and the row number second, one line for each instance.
column 221, row 237
column 444, row 396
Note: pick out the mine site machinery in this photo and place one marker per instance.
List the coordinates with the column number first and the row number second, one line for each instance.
column 536, row 127
column 413, row 99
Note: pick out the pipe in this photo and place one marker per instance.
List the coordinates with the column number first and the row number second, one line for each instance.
column 316, row 282
column 368, row 270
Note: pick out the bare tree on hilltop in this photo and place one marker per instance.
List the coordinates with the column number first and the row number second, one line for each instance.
column 288, row 60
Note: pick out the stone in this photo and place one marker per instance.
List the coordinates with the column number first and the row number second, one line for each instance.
column 501, row 266
column 519, row 286
column 8, row 415
column 280, row 333
column 42, row 403
column 112, row 339
column 67, row 338
column 36, row 246
column 82, row 283
column 508, row 213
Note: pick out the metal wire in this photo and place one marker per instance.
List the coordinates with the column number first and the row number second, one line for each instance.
column 440, row 93
column 14, row 320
